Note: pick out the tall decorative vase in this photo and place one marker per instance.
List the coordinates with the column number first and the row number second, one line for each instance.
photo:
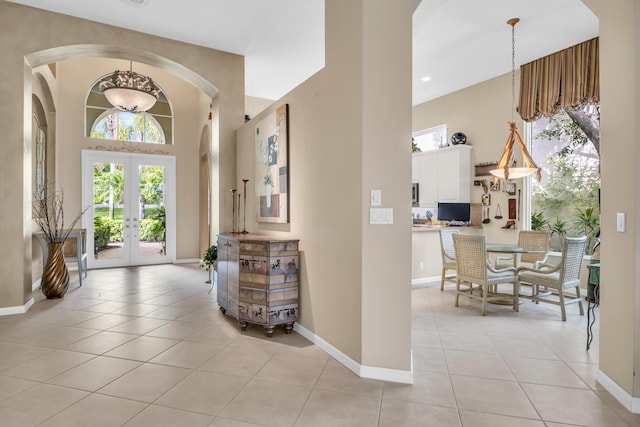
column 55, row 277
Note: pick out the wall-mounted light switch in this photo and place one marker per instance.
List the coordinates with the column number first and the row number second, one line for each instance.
column 376, row 197
column 620, row 222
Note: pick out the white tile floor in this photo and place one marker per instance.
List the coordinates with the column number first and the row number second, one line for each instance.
column 148, row 346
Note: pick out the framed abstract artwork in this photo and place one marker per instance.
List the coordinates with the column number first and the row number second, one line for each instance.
column 271, row 169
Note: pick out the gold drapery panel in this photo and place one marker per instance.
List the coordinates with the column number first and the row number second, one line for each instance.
column 564, row 80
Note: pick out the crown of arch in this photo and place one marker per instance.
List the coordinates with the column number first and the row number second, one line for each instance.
column 60, row 53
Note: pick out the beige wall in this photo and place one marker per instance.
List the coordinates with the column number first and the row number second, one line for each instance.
column 254, row 106
column 620, row 101
column 355, row 277
column 30, row 38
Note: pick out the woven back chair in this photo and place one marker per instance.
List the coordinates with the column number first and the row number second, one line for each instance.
column 448, row 255
column 564, row 275
column 528, row 240
column 473, row 267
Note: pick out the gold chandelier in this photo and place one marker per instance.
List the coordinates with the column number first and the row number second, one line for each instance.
column 505, row 168
column 129, row 91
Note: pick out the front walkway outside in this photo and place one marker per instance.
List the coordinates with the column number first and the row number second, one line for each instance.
column 147, row 346
column 114, row 250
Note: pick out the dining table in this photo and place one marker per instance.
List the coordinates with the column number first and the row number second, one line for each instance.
column 509, row 248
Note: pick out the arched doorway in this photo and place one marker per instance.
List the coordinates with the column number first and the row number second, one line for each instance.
column 192, row 105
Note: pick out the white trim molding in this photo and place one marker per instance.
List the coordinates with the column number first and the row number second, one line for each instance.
column 424, row 281
column 632, row 404
column 188, row 261
column 371, row 372
column 20, row 309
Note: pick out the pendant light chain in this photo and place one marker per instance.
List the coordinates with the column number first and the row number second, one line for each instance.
column 513, row 68
column 505, row 168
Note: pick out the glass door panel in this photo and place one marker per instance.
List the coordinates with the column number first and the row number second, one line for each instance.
column 133, row 204
column 151, row 221
column 108, row 197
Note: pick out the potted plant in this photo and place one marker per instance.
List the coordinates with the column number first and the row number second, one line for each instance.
column 210, row 261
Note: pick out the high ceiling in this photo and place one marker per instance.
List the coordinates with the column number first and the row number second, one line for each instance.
column 457, row 43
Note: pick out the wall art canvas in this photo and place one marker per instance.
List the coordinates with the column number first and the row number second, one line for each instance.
column 272, row 167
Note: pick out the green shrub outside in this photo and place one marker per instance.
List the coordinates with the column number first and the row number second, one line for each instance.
column 102, row 232
column 152, row 228
column 110, row 230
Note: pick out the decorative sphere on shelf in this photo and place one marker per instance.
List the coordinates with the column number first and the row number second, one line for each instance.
column 458, row 138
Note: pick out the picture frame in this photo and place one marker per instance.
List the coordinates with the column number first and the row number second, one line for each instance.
column 494, row 186
column 415, row 194
column 486, row 199
column 512, row 209
column 510, row 188
column 271, row 167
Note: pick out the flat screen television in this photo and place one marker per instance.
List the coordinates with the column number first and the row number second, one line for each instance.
column 454, row 212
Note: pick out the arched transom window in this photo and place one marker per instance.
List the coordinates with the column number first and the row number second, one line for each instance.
column 103, row 121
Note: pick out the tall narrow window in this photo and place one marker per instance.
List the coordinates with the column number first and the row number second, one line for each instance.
column 566, row 200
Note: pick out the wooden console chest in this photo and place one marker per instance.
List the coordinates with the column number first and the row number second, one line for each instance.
column 258, row 280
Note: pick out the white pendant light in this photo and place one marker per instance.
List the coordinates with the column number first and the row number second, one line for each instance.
column 505, row 168
column 129, row 91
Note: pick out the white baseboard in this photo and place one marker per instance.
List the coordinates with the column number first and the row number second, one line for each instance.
column 372, row 372
column 35, row 285
column 20, row 309
column 632, row 404
column 417, row 283
column 187, row 261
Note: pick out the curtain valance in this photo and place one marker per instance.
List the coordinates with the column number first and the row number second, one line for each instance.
column 564, row 80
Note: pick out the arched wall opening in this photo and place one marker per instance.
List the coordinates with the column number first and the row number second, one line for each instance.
column 207, row 90
column 40, row 37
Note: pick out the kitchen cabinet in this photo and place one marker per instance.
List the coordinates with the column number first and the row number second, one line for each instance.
column 258, row 280
column 444, row 175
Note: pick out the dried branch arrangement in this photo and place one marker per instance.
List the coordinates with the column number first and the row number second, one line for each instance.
column 48, row 213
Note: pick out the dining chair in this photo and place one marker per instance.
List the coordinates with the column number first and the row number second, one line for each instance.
column 564, row 275
column 536, row 250
column 448, row 255
column 473, row 267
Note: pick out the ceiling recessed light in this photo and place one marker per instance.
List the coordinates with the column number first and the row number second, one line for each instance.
column 137, row 2
column 426, row 78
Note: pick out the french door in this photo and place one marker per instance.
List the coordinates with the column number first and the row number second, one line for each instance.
column 131, row 220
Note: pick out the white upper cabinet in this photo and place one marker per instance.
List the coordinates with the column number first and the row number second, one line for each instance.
column 443, row 175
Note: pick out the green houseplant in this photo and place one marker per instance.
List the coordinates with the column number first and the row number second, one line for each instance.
column 209, row 260
column 210, row 257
